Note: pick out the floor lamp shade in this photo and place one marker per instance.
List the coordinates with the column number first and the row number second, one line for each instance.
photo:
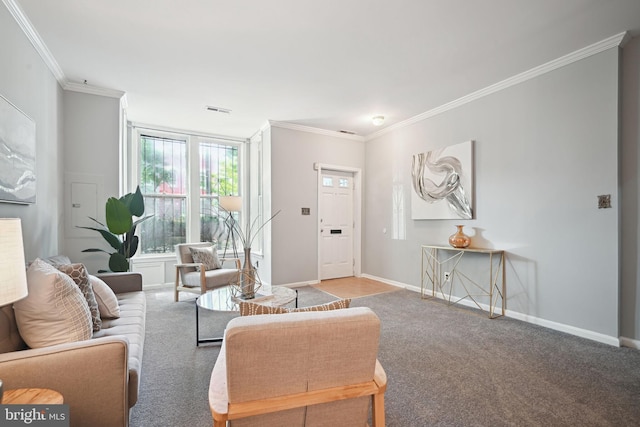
column 231, row 203
column 13, row 275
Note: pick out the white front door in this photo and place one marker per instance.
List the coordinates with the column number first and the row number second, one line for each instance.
column 336, row 225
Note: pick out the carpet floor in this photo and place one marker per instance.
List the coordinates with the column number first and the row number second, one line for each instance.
column 446, row 366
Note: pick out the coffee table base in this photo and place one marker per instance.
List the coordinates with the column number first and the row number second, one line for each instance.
column 220, row 339
column 203, row 340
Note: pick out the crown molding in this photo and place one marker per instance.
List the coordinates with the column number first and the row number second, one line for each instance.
column 25, row 25
column 47, row 57
column 302, row 128
column 92, row 90
column 615, row 41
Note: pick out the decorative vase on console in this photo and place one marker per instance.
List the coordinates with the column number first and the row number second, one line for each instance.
column 459, row 239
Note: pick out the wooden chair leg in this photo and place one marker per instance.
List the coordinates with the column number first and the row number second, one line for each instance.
column 377, row 410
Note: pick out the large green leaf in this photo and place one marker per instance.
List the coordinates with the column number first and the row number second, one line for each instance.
column 118, row 215
column 111, row 238
column 134, row 201
column 117, row 262
column 96, row 250
column 131, row 246
column 139, row 220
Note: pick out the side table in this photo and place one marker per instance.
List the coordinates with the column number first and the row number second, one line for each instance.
column 32, row 396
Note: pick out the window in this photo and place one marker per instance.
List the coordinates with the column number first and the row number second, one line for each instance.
column 218, row 177
column 163, row 179
column 181, row 178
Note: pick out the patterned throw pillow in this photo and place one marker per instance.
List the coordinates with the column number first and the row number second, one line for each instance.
column 207, row 256
column 252, row 308
column 54, row 311
column 80, row 276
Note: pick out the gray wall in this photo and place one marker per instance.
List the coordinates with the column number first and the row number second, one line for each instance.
column 544, row 150
column 87, row 146
column 294, row 185
column 27, row 83
column 91, row 152
column 630, row 182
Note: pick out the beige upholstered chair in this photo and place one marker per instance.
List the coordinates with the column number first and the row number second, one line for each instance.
column 299, row 369
column 189, row 279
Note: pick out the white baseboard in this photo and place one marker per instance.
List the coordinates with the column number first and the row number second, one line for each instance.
column 629, row 342
column 572, row 330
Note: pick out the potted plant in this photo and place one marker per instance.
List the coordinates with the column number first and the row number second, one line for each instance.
column 120, row 229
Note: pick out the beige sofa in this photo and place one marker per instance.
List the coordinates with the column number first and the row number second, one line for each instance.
column 98, row 378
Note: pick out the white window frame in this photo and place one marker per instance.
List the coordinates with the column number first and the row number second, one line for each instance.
column 193, row 140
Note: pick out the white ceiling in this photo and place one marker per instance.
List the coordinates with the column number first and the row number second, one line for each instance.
column 329, row 64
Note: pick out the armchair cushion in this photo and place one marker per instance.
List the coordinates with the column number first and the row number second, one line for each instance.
column 251, row 308
column 54, row 311
column 208, row 257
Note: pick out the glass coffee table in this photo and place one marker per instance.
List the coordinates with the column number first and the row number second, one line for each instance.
column 224, row 300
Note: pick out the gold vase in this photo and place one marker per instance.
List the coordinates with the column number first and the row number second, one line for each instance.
column 459, row 239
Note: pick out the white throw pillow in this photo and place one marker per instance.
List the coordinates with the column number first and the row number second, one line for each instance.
column 107, row 300
column 54, row 311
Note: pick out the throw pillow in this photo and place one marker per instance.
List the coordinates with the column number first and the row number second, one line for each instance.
column 54, row 311
column 207, row 256
column 107, row 300
column 78, row 272
column 252, row 308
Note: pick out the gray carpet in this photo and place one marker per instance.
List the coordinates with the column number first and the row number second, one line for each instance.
column 446, row 366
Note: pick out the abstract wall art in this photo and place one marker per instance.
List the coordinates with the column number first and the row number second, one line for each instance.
column 17, row 155
column 443, row 183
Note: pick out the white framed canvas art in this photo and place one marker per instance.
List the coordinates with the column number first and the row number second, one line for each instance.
column 442, row 183
column 17, row 155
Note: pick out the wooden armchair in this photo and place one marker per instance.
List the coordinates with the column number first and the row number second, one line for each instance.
column 189, row 279
column 299, row 369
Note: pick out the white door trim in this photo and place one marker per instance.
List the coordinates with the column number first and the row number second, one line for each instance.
column 357, row 213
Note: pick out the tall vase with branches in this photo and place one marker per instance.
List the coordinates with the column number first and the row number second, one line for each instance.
column 248, row 280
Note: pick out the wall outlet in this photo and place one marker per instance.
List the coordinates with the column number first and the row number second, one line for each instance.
column 447, row 275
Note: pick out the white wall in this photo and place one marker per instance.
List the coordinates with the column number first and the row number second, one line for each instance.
column 630, row 183
column 544, row 150
column 294, row 186
column 27, row 82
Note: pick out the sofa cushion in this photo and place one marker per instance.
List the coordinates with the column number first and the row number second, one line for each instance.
column 106, row 298
column 131, row 325
column 207, row 256
column 54, row 311
column 80, row 276
column 252, row 308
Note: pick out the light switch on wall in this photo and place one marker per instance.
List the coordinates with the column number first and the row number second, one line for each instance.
column 604, row 201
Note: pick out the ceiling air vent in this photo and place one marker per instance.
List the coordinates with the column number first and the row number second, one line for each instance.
column 218, row 109
column 348, row 132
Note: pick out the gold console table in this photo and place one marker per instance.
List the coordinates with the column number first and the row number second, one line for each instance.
column 433, row 277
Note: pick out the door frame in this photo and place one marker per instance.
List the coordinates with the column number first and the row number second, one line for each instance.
column 357, row 214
